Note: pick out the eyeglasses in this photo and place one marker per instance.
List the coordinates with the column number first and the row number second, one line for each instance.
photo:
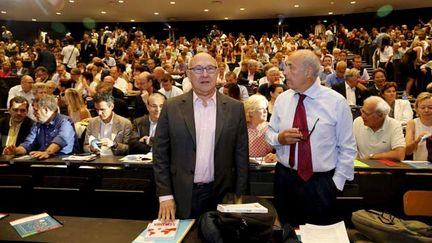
column 311, row 131
column 200, row 69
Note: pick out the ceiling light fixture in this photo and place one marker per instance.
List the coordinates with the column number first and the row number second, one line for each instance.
column 331, row 3
column 156, row 13
column 330, row 13
column 58, row 13
column 172, row 2
column 353, row 2
column 120, row 1
column 71, row 1
column 226, row 18
column 206, row 10
column 132, row 20
column 34, row 20
column 3, row 12
column 242, row 9
column 296, row 6
column 103, row 12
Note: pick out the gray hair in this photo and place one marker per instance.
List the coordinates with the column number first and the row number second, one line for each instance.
column 382, row 107
column 48, row 101
column 351, row 73
column 310, row 60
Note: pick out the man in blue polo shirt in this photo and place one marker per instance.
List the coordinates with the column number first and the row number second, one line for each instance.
column 53, row 134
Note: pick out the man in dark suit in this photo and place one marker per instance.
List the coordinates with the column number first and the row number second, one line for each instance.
column 144, row 127
column 200, row 149
column 88, row 49
column 252, row 74
column 15, row 127
column 46, row 59
column 349, row 89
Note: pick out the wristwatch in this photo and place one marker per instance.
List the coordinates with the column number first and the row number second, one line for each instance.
column 371, row 156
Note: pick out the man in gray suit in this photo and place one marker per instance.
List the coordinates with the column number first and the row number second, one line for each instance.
column 144, row 127
column 200, row 149
column 108, row 133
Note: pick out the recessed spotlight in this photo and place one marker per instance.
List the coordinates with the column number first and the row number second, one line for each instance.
column 3, row 12
column 172, row 2
column 296, row 6
column 156, row 13
column 242, row 9
column 132, row 20
column 71, row 1
column 58, row 13
column 330, row 13
column 331, row 3
column 226, row 18
column 34, row 20
column 206, row 10
column 120, row 1
column 103, row 12
column 353, row 2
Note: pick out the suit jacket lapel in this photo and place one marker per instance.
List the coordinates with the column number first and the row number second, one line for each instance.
column 220, row 115
column 188, row 114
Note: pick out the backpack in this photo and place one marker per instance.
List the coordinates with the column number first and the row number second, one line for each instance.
column 383, row 227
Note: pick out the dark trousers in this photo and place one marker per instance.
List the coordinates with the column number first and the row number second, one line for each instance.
column 299, row 202
column 203, row 199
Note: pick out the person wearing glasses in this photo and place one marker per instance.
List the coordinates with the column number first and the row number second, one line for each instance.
column 378, row 136
column 200, row 150
column 311, row 130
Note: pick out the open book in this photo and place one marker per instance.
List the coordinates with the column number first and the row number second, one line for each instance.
column 164, row 233
column 35, row 224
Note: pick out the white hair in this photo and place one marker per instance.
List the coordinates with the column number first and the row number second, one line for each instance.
column 382, row 107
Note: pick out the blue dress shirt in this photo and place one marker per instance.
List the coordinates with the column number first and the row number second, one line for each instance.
column 332, row 141
column 331, row 80
column 59, row 130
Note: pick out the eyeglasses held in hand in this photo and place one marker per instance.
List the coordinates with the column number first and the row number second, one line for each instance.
column 200, row 69
column 311, row 131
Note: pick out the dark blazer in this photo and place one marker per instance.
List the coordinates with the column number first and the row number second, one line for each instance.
column 25, row 71
column 22, row 134
column 373, row 91
column 140, row 106
column 86, row 54
column 360, row 95
column 141, row 128
column 174, row 150
column 243, row 77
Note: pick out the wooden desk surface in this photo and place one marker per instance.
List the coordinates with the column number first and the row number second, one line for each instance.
column 83, row 230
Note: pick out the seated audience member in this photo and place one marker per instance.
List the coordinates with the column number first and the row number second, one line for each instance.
column 60, row 74
column 117, row 93
column 6, row 70
column 399, row 109
column 15, row 127
column 338, row 76
column 357, row 63
column 119, row 82
column 379, row 78
column 252, row 73
column 108, row 133
column 186, row 85
column 51, row 87
column 53, row 134
column 264, row 80
column 41, row 74
column 378, row 136
column 77, row 109
column 232, row 90
column 256, row 118
column 168, row 89
column 231, row 77
column 23, row 89
column 88, row 84
column 147, row 85
column 19, row 69
column 273, row 77
column 419, row 127
column 349, row 89
column 275, row 90
column 120, row 106
column 326, row 68
column 144, row 127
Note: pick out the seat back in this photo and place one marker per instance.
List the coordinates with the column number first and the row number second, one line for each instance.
column 418, row 203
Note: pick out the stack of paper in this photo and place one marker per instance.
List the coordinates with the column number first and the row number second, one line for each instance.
column 242, row 208
column 137, row 158
column 88, row 157
column 335, row 233
column 35, row 224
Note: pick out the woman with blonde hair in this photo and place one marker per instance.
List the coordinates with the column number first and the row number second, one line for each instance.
column 256, row 118
column 77, row 109
column 420, row 127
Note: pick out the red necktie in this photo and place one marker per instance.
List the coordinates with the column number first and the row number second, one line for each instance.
column 304, row 163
